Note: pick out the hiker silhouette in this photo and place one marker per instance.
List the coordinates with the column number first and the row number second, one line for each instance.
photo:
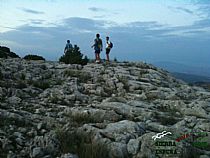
column 68, row 46
column 98, row 47
column 109, row 46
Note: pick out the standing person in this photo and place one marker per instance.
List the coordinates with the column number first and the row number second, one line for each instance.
column 68, row 46
column 98, row 47
column 109, row 46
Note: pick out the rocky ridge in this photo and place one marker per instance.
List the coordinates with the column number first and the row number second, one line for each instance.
column 49, row 109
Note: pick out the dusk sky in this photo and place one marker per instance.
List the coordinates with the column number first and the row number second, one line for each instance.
column 141, row 30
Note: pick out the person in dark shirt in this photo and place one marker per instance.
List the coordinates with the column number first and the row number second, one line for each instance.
column 68, row 46
column 98, row 47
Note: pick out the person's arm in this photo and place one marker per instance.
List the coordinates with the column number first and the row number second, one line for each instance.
column 65, row 49
column 93, row 44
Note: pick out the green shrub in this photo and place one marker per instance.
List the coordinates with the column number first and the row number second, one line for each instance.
column 81, row 144
column 33, row 57
column 59, row 82
column 68, row 140
column 23, row 76
column 1, row 75
column 74, row 56
column 93, row 150
column 5, row 53
column 108, row 91
column 21, row 85
column 100, row 79
column 44, row 67
column 71, row 73
column 13, row 55
column 54, row 99
column 5, row 49
column 83, row 118
column 82, row 76
column 115, row 59
column 41, row 84
column 166, row 120
column 85, row 60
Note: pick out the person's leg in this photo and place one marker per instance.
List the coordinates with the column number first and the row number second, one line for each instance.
column 99, row 56
column 107, row 54
column 95, row 55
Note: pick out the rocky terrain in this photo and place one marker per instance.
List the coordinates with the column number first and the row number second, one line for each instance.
column 48, row 110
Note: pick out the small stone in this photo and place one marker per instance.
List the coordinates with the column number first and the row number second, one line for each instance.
column 40, row 125
column 17, row 134
column 19, row 141
column 69, row 155
column 37, row 152
column 133, row 146
column 37, row 111
column 11, row 155
column 43, row 131
column 204, row 156
column 14, row 100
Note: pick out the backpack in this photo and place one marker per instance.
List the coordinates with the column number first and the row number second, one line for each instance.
column 111, row 45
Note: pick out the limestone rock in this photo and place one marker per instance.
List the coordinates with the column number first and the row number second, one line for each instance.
column 49, row 109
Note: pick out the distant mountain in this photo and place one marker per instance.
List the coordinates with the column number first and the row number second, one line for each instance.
column 184, row 69
column 204, row 85
column 191, row 78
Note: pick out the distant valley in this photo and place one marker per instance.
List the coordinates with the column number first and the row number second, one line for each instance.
column 190, row 74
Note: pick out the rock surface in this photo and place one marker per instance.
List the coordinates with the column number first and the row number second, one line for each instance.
column 49, row 109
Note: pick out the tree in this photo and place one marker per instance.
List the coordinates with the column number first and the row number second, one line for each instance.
column 74, row 56
column 115, row 59
column 33, row 57
column 6, row 53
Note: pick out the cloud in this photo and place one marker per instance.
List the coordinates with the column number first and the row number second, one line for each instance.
column 77, row 23
column 184, row 10
column 205, row 2
column 100, row 16
column 145, row 40
column 31, row 11
column 204, row 6
column 204, row 23
column 195, row 32
column 95, row 9
column 36, row 21
column 181, row 9
column 7, row 27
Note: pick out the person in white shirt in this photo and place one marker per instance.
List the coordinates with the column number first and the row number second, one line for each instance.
column 68, row 46
column 108, row 48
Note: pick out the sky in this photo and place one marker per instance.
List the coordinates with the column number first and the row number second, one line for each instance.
column 140, row 30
